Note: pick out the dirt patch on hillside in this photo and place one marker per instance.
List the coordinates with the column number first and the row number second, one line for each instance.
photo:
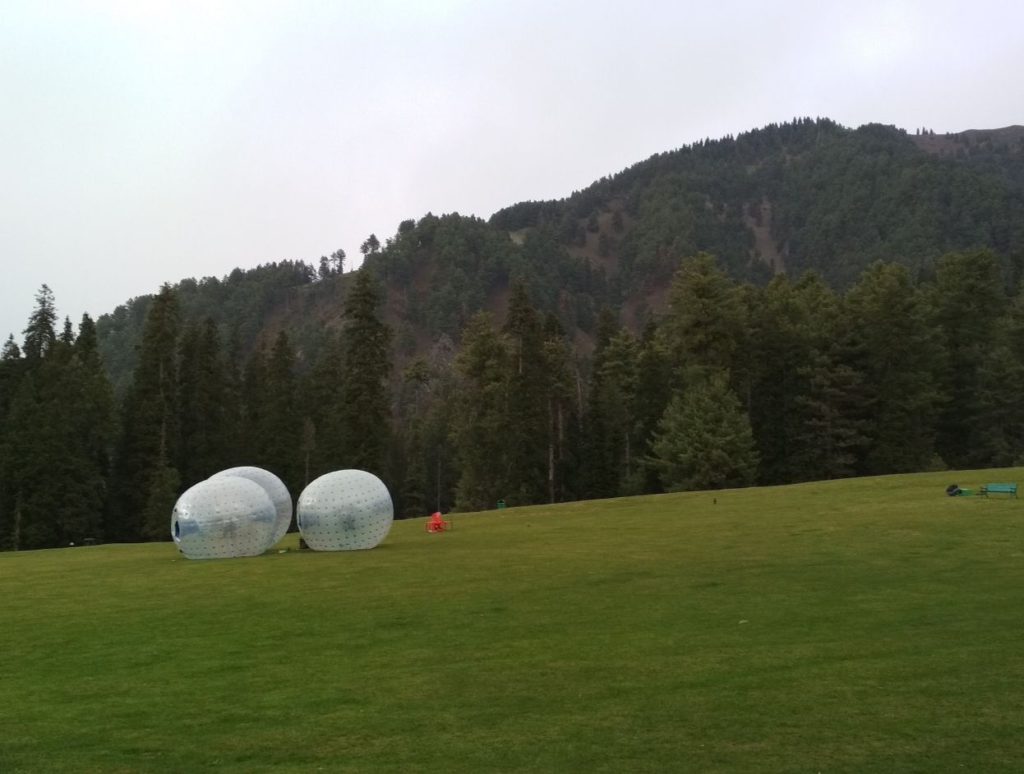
column 759, row 220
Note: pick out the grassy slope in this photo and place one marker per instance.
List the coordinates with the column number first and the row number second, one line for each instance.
column 865, row 625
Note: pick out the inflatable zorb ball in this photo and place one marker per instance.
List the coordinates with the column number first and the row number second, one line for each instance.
column 347, row 510
column 221, row 518
column 276, row 491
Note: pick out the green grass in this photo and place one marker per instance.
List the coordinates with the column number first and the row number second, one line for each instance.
column 863, row 625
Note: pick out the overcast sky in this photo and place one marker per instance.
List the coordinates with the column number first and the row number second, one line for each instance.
column 144, row 141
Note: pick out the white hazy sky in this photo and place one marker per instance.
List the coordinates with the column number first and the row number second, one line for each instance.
column 144, row 141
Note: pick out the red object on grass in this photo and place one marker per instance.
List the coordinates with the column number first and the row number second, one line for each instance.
column 437, row 524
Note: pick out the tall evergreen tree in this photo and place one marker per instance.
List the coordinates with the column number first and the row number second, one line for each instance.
column 481, row 424
column 615, row 399
column 280, row 429
column 11, row 366
column 254, row 409
column 40, row 333
column 58, row 437
column 35, row 446
column 149, row 428
column 653, row 392
column 234, row 406
column 324, row 439
column 781, row 332
column 439, row 455
column 560, row 387
column 601, row 439
column 528, row 418
column 706, row 319
column 900, row 361
column 1000, row 378
column 968, row 302
column 830, row 419
column 366, row 407
column 202, row 405
column 802, row 390
column 704, row 440
column 1014, row 400
column 91, row 426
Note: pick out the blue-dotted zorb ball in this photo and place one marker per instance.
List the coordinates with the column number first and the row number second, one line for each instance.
column 222, row 518
column 346, row 510
column 276, row 491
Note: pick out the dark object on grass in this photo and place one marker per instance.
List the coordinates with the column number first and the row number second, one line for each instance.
column 952, row 490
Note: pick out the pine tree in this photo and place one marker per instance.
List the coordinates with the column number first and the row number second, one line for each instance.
column 481, row 423
column 202, row 405
column 601, row 440
column 1000, row 378
column 280, row 428
column 528, row 420
column 436, row 432
column 91, row 427
column 366, row 405
column 161, row 494
column 706, row 319
column 560, row 387
column 968, row 302
column 704, row 440
column 1014, row 400
column 408, row 453
column 234, row 408
column 40, row 334
column 781, row 344
column 254, row 409
column 60, row 423
column 653, row 392
column 323, row 408
column 830, row 419
column 35, row 446
column 900, row 363
column 11, row 367
column 615, row 399
column 794, row 377
column 149, row 427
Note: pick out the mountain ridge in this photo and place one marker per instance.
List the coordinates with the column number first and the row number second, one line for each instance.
column 807, row 195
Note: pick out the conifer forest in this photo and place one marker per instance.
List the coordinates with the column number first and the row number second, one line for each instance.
column 796, row 303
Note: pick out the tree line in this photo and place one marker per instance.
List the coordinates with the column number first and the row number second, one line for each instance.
column 732, row 385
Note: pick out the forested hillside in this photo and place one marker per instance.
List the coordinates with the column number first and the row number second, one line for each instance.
column 800, row 302
column 785, row 198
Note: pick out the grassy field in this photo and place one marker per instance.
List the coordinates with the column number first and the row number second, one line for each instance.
column 863, row 625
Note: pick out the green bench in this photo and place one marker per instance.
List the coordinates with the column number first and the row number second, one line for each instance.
column 1006, row 489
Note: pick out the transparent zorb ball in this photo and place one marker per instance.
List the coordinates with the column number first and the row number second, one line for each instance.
column 347, row 510
column 276, row 491
column 222, row 518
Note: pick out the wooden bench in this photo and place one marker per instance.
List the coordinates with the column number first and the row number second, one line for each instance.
column 1006, row 489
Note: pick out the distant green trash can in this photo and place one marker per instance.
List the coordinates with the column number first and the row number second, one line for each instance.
column 501, row 504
